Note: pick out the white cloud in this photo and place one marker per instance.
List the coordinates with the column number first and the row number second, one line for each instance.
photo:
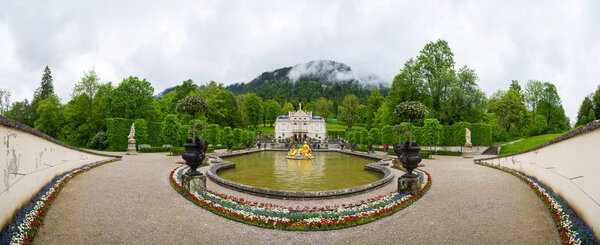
column 233, row 41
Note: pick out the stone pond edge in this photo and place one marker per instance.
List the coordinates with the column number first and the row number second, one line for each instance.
column 218, row 164
column 317, row 225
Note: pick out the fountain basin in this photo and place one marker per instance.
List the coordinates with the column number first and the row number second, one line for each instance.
column 380, row 176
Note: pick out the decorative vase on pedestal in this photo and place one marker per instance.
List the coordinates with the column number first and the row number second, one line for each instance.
column 408, row 155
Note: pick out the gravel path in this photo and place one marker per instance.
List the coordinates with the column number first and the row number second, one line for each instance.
column 132, row 202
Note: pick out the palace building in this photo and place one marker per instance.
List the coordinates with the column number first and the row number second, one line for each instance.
column 300, row 125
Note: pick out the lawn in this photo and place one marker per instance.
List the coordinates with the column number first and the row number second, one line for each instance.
column 527, row 143
column 341, row 126
column 265, row 129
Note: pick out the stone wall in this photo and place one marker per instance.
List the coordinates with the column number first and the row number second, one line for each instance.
column 29, row 160
column 570, row 165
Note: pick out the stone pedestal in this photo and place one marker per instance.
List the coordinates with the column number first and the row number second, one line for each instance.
column 193, row 183
column 409, row 185
column 468, row 151
column 131, row 147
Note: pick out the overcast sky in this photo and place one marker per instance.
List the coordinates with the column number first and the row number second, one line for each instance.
column 231, row 41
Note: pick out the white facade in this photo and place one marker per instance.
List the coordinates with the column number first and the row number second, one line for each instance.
column 300, row 125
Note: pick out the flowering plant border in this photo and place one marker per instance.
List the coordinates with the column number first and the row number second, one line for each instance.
column 274, row 216
column 28, row 219
column 571, row 227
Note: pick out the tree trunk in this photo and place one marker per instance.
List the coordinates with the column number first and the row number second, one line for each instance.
column 194, row 128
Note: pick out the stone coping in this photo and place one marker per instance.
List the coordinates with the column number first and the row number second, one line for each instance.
column 583, row 129
column 17, row 125
column 219, row 164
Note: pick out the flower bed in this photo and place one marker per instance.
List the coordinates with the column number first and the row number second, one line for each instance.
column 299, row 218
column 571, row 227
column 27, row 221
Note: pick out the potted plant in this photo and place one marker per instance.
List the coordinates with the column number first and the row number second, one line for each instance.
column 195, row 148
column 229, row 142
column 408, row 152
column 370, row 144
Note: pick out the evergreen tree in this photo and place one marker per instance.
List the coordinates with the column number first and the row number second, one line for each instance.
column 47, row 86
column 591, row 116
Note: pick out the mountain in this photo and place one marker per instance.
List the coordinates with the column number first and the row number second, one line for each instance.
column 309, row 81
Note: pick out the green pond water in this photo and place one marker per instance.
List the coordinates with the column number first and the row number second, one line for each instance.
column 327, row 171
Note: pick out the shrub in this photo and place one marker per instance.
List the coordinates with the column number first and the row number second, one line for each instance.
column 177, row 151
column 237, row 136
column 99, row 141
column 153, row 131
column 171, row 130
column 362, row 137
column 447, row 153
column 211, row 133
column 454, row 135
column 225, row 135
column 117, row 130
column 431, row 133
column 154, row 149
column 141, row 131
column 539, row 125
column 336, row 133
column 388, row 137
column 375, row 133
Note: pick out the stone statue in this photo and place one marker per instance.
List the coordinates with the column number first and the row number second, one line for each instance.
column 131, row 141
column 468, row 136
column 131, row 132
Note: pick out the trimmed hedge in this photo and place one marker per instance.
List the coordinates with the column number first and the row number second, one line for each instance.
column 336, row 133
column 447, row 153
column 481, row 134
column 153, row 130
column 141, row 131
column 117, row 130
column 154, row 149
column 177, row 151
column 454, row 135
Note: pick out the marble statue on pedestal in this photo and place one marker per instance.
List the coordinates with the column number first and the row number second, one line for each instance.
column 468, row 148
column 131, row 141
column 468, row 136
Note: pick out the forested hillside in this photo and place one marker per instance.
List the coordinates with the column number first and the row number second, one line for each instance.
column 307, row 82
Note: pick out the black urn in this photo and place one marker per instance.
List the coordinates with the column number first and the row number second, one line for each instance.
column 194, row 154
column 229, row 146
column 409, row 155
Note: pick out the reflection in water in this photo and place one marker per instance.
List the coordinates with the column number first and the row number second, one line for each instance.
column 328, row 171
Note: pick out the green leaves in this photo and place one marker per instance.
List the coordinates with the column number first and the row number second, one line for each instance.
column 192, row 104
column 348, row 111
column 411, row 110
column 133, row 99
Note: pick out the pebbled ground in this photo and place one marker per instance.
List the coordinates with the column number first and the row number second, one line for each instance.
column 132, row 202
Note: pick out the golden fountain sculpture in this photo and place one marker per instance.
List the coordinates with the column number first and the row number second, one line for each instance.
column 303, row 153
